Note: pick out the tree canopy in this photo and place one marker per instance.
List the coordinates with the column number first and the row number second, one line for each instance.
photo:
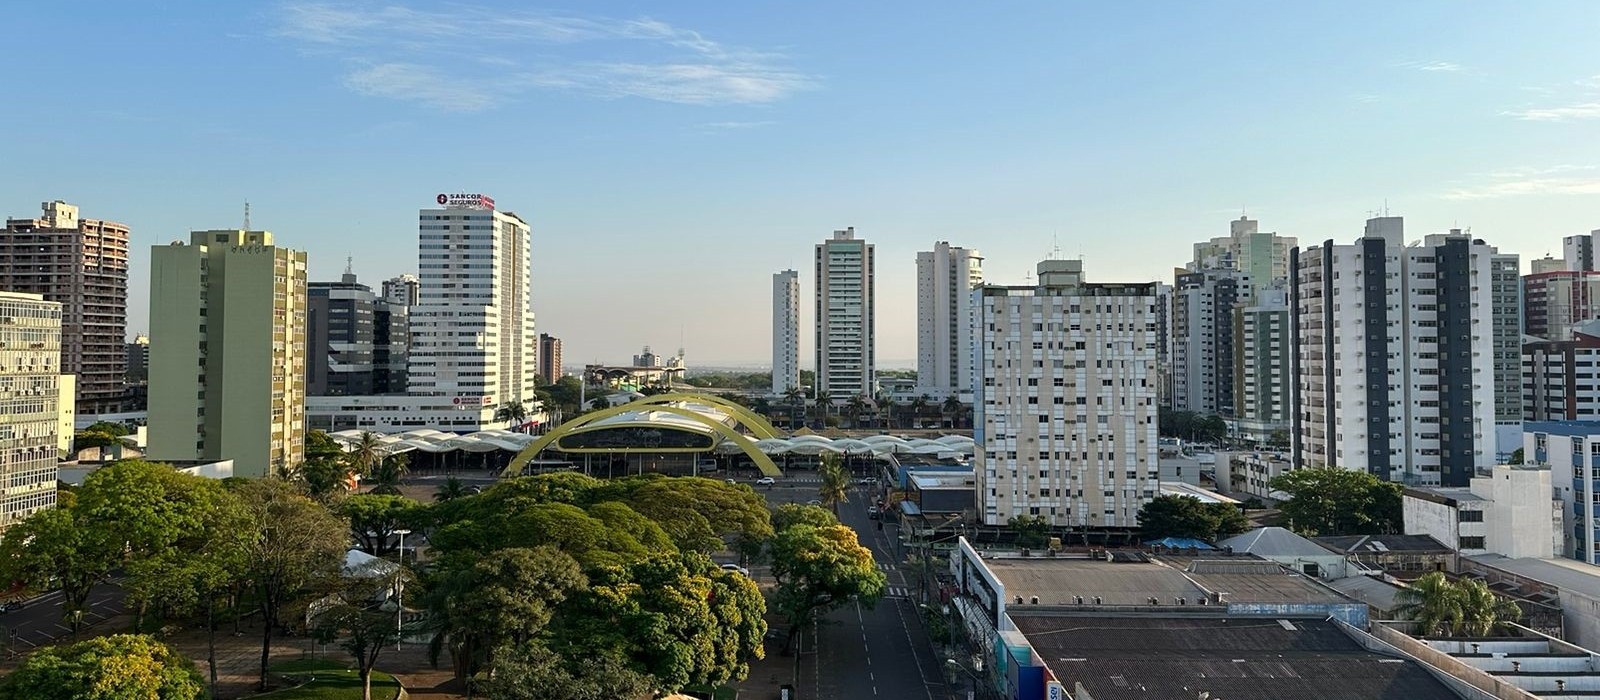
column 1334, row 501
column 1186, row 516
column 118, row 667
column 819, row 569
column 1466, row 607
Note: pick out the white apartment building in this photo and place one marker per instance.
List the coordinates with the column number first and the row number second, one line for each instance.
column 1510, row 512
column 1578, row 252
column 35, row 393
column 1262, row 337
column 946, row 276
column 845, row 337
column 1396, row 361
column 1065, row 388
column 1571, row 451
column 403, row 290
column 785, row 331
column 1263, row 257
column 1203, row 352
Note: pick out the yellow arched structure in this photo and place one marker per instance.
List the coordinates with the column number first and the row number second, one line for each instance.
column 744, row 417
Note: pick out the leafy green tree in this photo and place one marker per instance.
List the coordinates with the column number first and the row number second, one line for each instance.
column 450, row 490
column 374, row 518
column 704, row 514
column 1188, row 517
column 1032, row 530
column 819, row 569
column 1441, row 606
column 791, row 514
column 118, row 667
column 1334, row 501
column 297, row 544
column 1517, row 457
column 533, row 672
column 835, row 488
column 504, row 599
column 57, row 548
column 356, row 618
column 1230, row 519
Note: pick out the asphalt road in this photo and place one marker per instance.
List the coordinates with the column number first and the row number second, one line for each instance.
column 860, row 652
column 39, row 623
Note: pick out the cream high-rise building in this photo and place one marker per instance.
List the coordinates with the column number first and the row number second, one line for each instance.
column 845, row 337
column 228, row 351
column 1065, row 409
column 945, row 278
column 32, row 393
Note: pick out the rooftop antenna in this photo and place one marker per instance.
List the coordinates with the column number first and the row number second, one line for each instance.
column 247, row 215
column 1055, row 246
column 349, row 264
column 1385, row 206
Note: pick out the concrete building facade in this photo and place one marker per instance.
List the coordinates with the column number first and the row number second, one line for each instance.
column 1203, row 352
column 1510, row 512
column 549, row 358
column 81, row 264
column 845, row 344
column 1262, row 257
column 1553, row 302
column 358, row 341
column 1571, row 451
column 1559, row 376
column 1399, row 355
column 1065, row 390
column 1262, row 338
column 785, row 331
column 32, row 395
column 228, row 351
column 403, row 290
column 946, row 277
column 1578, row 252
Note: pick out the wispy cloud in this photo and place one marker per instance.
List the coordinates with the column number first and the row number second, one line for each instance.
column 1433, row 66
column 1586, row 110
column 472, row 58
column 1529, row 180
column 733, row 126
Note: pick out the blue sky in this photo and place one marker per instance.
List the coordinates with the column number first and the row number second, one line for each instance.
column 672, row 156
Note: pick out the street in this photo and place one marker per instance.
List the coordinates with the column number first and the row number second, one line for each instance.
column 859, row 652
column 39, row 622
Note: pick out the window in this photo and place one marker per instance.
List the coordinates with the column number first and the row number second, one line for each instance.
column 1472, row 543
column 1472, row 516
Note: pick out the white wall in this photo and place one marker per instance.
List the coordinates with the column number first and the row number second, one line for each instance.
column 1424, row 517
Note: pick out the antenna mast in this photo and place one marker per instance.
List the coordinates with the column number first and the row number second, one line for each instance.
column 247, row 215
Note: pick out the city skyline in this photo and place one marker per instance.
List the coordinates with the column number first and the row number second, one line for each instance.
column 1076, row 127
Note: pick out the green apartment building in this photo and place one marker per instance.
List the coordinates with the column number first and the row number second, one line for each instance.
column 228, row 351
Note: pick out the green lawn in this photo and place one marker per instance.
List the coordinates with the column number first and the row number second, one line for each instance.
column 333, row 681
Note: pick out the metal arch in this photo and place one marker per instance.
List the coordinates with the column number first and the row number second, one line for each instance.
column 752, row 421
column 762, row 461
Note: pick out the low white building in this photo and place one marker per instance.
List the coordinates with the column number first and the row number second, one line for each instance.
column 398, row 413
column 1512, row 512
column 1291, row 550
column 1245, row 474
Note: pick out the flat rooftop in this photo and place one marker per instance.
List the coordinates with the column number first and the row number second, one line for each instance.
column 1058, row 581
column 1142, row 658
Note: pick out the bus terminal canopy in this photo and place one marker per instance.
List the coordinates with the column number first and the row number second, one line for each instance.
column 436, row 441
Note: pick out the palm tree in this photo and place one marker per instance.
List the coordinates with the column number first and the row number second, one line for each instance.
column 514, row 413
column 835, row 487
column 855, row 406
column 365, row 454
column 1441, row 606
column 386, row 477
column 796, row 399
column 918, row 405
column 1483, row 611
column 824, row 402
column 451, row 489
column 952, row 408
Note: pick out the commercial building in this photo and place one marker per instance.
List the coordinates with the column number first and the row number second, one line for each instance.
column 946, row 276
column 785, row 331
column 1559, row 376
column 1553, row 302
column 1203, row 352
column 81, row 264
column 1262, row 338
column 359, row 341
column 31, row 403
column 1065, row 389
column 1400, row 362
column 549, row 358
column 403, row 290
column 1571, row 451
column 228, row 351
column 1509, row 512
column 845, row 335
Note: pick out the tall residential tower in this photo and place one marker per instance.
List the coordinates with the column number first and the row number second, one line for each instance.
column 785, row 331
column 946, row 276
column 31, row 404
column 845, row 339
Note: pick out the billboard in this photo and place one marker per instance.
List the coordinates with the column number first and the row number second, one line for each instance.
column 465, row 201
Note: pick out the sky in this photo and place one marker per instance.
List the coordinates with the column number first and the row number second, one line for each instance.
column 672, row 156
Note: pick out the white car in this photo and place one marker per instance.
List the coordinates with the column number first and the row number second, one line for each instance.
column 766, row 481
column 868, row 480
column 736, row 567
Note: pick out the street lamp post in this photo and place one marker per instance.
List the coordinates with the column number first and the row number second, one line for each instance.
column 400, row 593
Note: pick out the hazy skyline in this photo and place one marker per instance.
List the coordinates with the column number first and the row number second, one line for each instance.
column 670, row 158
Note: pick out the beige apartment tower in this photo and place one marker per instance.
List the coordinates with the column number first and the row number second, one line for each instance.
column 227, row 351
column 32, row 395
column 82, row 264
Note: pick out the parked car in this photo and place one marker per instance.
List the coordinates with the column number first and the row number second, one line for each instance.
column 731, row 481
column 868, row 480
column 814, row 502
column 11, row 606
column 766, row 481
column 736, row 567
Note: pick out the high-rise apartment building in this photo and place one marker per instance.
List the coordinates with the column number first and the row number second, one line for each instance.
column 473, row 336
column 1559, row 381
column 1398, row 361
column 946, row 276
column 1065, row 410
column 30, row 405
column 228, row 351
column 1203, row 350
column 138, row 360
column 785, row 331
column 358, row 341
column 83, row 265
column 549, row 358
column 1546, row 264
column 1552, row 302
column 1262, row 384
column 403, row 290
column 1262, row 257
column 1579, row 251
column 845, row 354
